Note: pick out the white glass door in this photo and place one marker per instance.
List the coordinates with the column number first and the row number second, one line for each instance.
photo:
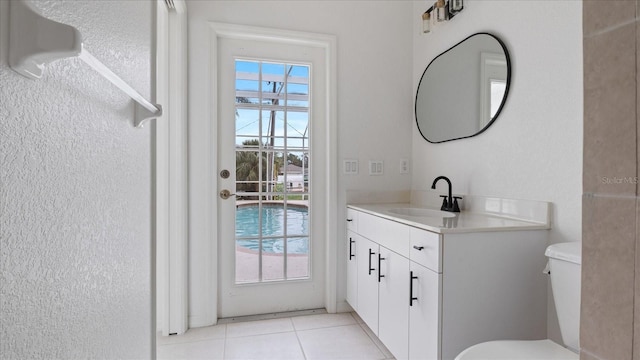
column 269, row 258
column 272, row 168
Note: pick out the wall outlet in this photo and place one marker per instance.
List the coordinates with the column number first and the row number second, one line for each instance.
column 404, row 166
column 350, row 167
column 376, row 167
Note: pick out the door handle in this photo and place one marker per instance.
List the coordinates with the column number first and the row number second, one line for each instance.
column 351, row 241
column 370, row 268
column 380, row 276
column 411, row 297
column 419, row 248
column 225, row 194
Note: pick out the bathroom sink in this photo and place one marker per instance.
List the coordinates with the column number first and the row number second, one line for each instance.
column 421, row 212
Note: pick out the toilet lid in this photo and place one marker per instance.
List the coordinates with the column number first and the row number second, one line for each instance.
column 517, row 349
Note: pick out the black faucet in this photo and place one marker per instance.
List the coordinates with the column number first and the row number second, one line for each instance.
column 449, row 203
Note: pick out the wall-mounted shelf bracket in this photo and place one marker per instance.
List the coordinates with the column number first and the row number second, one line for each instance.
column 35, row 41
column 142, row 114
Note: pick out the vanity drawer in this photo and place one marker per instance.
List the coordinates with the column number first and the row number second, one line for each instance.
column 426, row 249
column 390, row 234
column 352, row 220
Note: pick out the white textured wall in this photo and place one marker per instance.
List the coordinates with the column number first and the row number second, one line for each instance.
column 534, row 149
column 75, row 198
column 374, row 98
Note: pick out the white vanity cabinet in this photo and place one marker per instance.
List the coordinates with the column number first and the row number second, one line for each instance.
column 429, row 295
column 382, row 280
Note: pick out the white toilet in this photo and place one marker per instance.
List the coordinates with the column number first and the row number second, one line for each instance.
column 564, row 264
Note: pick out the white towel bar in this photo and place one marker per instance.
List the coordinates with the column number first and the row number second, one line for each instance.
column 35, row 41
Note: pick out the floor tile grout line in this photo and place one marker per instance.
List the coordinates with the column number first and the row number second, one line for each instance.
column 265, row 333
column 295, row 332
column 327, row 327
column 304, row 354
column 224, row 343
column 288, row 331
column 261, row 334
column 357, row 325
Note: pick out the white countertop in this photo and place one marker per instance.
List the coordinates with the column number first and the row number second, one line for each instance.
column 463, row 222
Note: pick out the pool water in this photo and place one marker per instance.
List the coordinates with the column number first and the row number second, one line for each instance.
column 248, row 229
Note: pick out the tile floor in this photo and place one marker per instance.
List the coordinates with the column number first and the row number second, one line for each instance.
column 320, row 336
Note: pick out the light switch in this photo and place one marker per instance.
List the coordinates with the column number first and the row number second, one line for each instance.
column 376, row 167
column 350, row 167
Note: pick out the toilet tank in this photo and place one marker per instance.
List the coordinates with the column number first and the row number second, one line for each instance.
column 565, row 263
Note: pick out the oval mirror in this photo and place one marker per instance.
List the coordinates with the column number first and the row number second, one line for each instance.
column 463, row 90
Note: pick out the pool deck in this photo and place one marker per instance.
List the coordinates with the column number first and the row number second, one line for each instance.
column 297, row 203
column 272, row 265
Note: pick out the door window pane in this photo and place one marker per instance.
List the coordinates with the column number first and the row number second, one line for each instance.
column 298, row 258
column 272, row 165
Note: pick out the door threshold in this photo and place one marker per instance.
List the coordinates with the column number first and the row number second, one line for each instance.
column 279, row 315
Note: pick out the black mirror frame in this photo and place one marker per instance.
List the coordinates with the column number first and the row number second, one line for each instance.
column 504, row 98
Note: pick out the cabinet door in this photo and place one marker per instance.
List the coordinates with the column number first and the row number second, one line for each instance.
column 424, row 313
column 367, row 296
column 352, row 270
column 352, row 220
column 394, row 302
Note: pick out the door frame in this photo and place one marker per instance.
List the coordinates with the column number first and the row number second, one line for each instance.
column 171, row 192
column 205, row 237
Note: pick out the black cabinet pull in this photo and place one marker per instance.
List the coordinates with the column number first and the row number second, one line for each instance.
column 349, row 220
column 380, row 276
column 351, row 241
column 419, row 248
column 411, row 297
column 370, row 268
